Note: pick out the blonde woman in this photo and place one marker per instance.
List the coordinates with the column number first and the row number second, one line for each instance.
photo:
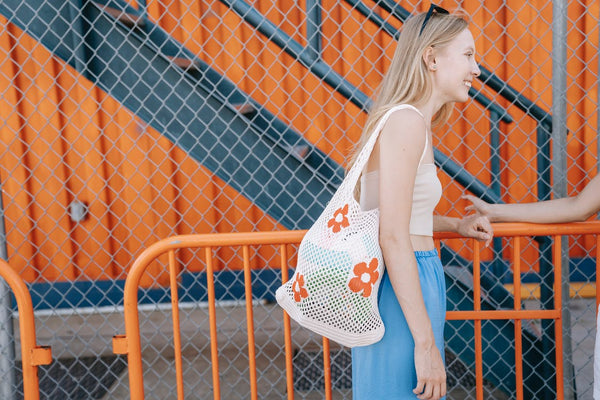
column 433, row 67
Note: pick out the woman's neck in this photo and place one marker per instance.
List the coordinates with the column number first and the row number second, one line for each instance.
column 428, row 109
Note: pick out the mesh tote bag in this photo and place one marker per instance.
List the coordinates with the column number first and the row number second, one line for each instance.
column 333, row 291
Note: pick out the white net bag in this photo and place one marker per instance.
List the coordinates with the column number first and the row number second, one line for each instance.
column 334, row 289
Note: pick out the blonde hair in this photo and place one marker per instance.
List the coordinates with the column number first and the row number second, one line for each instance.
column 407, row 79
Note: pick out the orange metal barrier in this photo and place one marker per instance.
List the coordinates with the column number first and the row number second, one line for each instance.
column 32, row 355
column 130, row 342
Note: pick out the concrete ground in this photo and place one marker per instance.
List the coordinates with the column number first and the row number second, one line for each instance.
column 89, row 335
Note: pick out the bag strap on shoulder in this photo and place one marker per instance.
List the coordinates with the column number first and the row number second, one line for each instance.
column 356, row 169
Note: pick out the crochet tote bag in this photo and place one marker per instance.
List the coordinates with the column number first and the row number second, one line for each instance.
column 333, row 291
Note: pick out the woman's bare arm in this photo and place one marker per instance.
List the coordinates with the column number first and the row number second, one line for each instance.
column 568, row 209
column 400, row 146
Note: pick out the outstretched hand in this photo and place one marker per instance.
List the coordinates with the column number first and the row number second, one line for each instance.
column 477, row 205
column 476, row 226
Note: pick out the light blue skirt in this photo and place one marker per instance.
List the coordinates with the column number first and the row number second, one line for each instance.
column 386, row 369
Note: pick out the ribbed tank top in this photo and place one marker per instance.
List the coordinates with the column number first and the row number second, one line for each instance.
column 427, row 193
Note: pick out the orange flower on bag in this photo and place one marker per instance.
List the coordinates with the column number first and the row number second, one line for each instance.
column 298, row 288
column 339, row 220
column 364, row 277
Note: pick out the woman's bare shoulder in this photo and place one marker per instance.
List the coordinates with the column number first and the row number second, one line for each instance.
column 405, row 124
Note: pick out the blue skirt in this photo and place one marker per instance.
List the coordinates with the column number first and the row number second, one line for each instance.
column 386, row 369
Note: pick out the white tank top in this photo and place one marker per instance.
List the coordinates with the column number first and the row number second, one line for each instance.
column 426, row 195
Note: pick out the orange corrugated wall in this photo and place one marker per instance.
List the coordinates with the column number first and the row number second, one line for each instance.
column 122, row 193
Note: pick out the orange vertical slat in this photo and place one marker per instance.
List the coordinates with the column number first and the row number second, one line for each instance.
column 477, row 324
column 212, row 315
column 287, row 330
column 327, row 368
column 517, row 306
column 558, row 333
column 597, row 271
column 250, row 324
column 132, row 345
column 176, row 324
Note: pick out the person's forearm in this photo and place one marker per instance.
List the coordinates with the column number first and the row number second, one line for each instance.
column 402, row 270
column 407, row 287
column 445, row 224
column 551, row 211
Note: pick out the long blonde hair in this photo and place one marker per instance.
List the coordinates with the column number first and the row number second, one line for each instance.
column 407, row 79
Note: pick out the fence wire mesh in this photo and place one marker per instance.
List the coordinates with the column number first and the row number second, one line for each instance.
column 124, row 122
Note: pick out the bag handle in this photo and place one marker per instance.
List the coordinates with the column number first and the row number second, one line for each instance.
column 365, row 153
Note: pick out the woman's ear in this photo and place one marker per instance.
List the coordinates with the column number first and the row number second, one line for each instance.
column 429, row 58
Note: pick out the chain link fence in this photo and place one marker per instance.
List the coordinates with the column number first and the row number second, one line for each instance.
column 125, row 122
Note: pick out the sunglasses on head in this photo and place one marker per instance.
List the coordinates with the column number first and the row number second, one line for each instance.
column 432, row 9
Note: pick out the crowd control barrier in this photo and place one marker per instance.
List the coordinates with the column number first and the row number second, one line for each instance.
column 130, row 343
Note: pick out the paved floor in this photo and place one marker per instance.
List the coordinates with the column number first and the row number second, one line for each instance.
column 91, row 334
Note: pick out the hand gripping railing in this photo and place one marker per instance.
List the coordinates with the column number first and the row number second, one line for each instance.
column 130, row 343
column 32, row 355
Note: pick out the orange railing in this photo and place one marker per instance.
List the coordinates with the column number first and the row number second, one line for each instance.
column 32, row 355
column 130, row 343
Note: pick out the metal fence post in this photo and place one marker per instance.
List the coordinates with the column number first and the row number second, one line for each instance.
column 7, row 348
column 559, row 168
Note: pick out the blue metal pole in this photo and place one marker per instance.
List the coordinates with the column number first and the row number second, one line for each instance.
column 498, row 265
column 7, row 342
column 313, row 27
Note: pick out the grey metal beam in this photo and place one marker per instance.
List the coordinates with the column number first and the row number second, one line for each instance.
column 559, row 171
column 7, row 335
